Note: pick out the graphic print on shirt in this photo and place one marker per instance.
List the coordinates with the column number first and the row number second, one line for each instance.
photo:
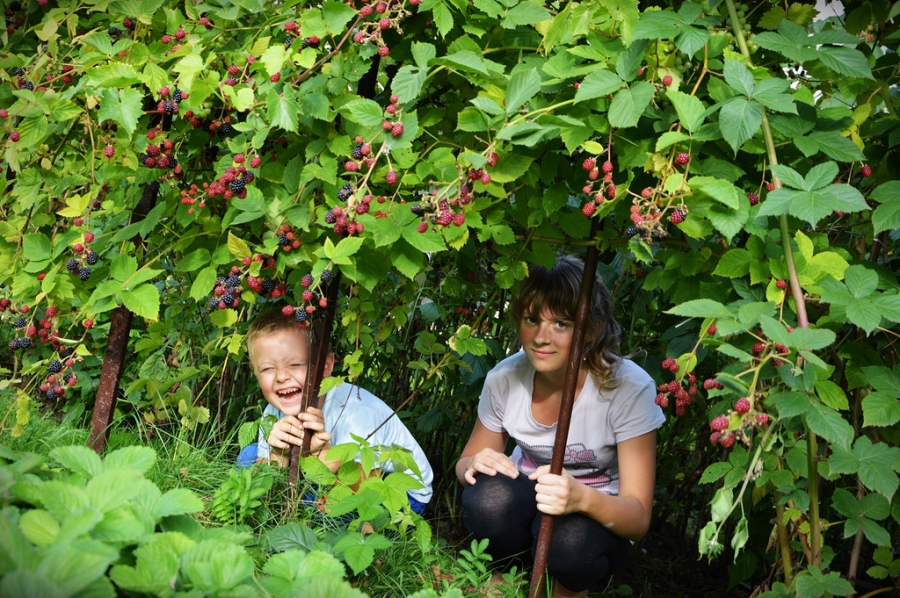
column 578, row 460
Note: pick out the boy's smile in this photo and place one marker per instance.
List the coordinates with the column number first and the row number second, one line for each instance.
column 280, row 360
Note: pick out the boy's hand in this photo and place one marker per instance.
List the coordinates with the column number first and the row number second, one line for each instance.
column 289, row 431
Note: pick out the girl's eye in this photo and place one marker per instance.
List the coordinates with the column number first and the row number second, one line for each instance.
column 562, row 325
column 530, row 320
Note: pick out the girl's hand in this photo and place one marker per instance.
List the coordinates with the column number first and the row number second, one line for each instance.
column 490, row 462
column 557, row 494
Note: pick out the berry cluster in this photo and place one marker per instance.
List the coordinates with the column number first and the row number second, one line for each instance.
column 648, row 211
column 675, row 389
column 84, row 257
column 311, row 297
column 232, row 183
column 736, row 423
column 227, row 291
column 59, row 375
column 287, row 239
column 156, row 156
column 598, row 192
column 32, row 325
column 764, row 347
column 445, row 206
column 13, row 19
column 386, row 14
column 292, row 28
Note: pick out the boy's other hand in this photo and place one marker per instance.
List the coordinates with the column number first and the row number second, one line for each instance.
column 289, row 431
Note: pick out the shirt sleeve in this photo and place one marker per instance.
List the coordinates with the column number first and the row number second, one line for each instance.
column 635, row 411
column 492, row 402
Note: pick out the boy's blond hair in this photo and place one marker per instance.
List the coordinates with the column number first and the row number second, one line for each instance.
column 272, row 321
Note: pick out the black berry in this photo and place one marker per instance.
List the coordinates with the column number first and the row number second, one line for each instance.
column 300, row 315
column 84, row 273
column 72, row 265
column 92, row 258
column 327, row 275
column 55, row 366
column 233, row 281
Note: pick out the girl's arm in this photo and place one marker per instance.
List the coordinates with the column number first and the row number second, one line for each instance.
column 626, row 515
column 484, row 454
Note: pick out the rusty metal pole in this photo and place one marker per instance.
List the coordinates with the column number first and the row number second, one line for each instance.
column 565, row 408
column 319, row 350
column 116, row 346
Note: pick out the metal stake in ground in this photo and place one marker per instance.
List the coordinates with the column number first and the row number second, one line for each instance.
column 318, row 344
column 565, row 408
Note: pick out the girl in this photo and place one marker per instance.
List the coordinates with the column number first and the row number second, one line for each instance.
column 604, row 495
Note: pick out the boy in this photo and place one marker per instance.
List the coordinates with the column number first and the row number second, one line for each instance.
column 280, row 354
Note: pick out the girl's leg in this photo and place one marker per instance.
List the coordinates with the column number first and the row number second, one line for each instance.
column 582, row 552
column 502, row 510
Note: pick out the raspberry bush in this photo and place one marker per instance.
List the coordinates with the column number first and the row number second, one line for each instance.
column 194, row 163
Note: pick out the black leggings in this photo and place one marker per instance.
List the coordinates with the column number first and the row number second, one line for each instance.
column 504, row 510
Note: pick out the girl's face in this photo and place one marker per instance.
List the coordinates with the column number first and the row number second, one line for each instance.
column 546, row 339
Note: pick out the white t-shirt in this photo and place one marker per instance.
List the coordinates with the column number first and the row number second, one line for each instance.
column 600, row 420
column 351, row 409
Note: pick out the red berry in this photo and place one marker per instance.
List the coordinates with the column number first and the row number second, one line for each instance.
column 683, row 158
column 607, row 167
column 718, row 424
column 391, row 177
column 383, row 51
column 275, row 78
column 758, row 348
column 770, row 186
column 239, row 158
column 676, row 217
column 88, row 237
column 14, row 136
column 588, row 164
column 397, row 129
column 423, row 226
column 164, row 91
column 588, row 209
column 667, row 363
column 4, row 113
column 754, row 198
column 287, row 310
column 88, row 323
column 781, row 284
column 485, row 178
column 667, row 80
column 762, row 419
column 180, row 34
column 255, row 161
column 727, row 441
column 647, row 192
column 711, row 330
column 384, row 23
column 351, row 166
column 709, row 384
column 866, row 171
column 742, row 405
column 110, row 151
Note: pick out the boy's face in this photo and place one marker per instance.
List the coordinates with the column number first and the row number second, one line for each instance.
column 280, row 360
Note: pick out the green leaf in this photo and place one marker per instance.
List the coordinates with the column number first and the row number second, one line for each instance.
column 223, row 318
column 365, row 112
column 718, row 189
column 188, row 67
column 178, row 501
column 701, row 308
column 597, row 84
column 123, row 106
column 860, row 281
column 36, row 246
column 525, row 13
column 237, row 247
column 79, row 459
column 408, row 82
column 523, row 85
column 466, row 60
column 422, row 54
column 863, row 313
column 735, row 263
column 836, row 146
column 282, row 109
column 138, row 458
column 214, row 566
column 878, row 464
column 345, row 249
column 510, row 168
column 845, row 61
column 670, row 138
column 39, row 526
column 143, row 301
column 110, row 489
column 832, row 395
column 203, row 283
column 881, row 408
column 830, row 425
column 661, row 24
column 628, row 105
column 739, row 120
column 689, row 108
column 811, row 338
column 337, row 15
column 739, row 78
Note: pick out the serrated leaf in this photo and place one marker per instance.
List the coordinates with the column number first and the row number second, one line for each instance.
column 523, row 86
column 738, row 77
column 525, row 13
column 735, row 263
column 407, row 83
column 701, row 308
column 689, row 108
column 597, row 84
column 365, row 112
column 836, row 146
column 830, row 425
column 718, row 189
column 143, row 300
column 422, row 54
column 203, row 283
column 881, row 409
column 845, row 61
column 670, row 138
column 282, row 109
column 628, row 105
column 739, row 120
column 80, row 459
column 123, row 106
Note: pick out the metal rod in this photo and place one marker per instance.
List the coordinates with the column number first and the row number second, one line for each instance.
column 314, row 374
column 565, row 408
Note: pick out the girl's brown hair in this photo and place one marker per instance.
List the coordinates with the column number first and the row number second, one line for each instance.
column 557, row 290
